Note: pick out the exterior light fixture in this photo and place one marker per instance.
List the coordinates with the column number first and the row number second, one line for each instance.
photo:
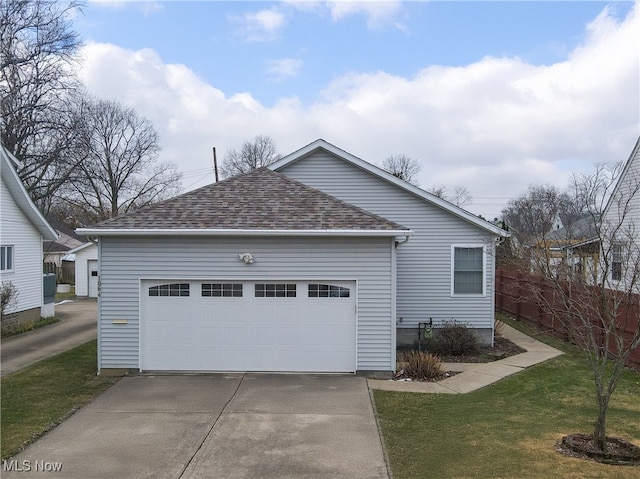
column 246, row 257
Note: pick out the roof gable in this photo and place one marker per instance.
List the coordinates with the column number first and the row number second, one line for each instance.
column 260, row 201
column 630, row 175
column 432, row 199
column 16, row 189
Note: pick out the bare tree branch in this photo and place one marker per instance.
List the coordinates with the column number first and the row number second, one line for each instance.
column 262, row 151
column 118, row 163
column 402, row 167
column 588, row 277
column 37, row 52
column 461, row 195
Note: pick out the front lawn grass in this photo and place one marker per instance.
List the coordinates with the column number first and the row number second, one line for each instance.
column 508, row 429
column 38, row 397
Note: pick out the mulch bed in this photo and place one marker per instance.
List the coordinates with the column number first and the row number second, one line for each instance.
column 620, row 452
column 502, row 348
column 402, row 376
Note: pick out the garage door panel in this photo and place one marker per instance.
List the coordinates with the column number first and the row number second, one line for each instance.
column 248, row 333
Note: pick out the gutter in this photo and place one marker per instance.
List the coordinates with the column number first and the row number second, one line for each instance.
column 98, row 232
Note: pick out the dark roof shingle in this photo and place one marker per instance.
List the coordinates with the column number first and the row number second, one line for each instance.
column 259, row 200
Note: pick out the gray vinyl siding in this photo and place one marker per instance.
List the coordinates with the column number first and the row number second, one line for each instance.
column 424, row 263
column 125, row 261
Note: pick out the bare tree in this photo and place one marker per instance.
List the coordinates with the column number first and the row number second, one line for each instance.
column 461, row 195
column 37, row 51
column 119, row 168
column 598, row 304
column 262, row 151
column 402, row 167
column 534, row 213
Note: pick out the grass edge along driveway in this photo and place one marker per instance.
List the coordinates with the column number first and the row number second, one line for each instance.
column 508, row 429
column 38, row 397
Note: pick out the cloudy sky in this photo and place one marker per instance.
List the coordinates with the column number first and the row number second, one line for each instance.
column 493, row 96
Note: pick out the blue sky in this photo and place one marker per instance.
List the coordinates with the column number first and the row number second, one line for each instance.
column 464, row 87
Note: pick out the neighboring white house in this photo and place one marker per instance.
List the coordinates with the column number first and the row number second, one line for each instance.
column 56, row 251
column 324, row 264
column 23, row 229
column 86, row 264
column 621, row 227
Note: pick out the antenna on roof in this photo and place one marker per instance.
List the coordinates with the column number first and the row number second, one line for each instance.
column 215, row 164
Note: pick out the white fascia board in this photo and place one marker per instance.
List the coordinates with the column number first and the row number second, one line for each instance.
column 97, row 232
column 379, row 172
column 82, row 246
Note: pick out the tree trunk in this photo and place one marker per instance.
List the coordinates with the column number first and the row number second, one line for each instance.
column 600, row 430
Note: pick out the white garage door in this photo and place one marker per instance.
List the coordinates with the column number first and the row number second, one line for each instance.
column 248, row 326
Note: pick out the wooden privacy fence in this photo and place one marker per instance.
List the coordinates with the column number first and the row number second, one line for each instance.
column 64, row 274
column 513, row 297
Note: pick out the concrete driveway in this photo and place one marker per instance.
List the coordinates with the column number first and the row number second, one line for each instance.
column 223, row 426
column 77, row 325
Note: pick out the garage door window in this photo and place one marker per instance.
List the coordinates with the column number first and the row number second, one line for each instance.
column 173, row 289
column 275, row 290
column 226, row 290
column 328, row 291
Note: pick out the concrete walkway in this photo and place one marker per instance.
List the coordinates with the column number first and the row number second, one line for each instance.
column 77, row 325
column 478, row 375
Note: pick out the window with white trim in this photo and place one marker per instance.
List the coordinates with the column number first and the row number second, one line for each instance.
column 6, row 258
column 328, row 291
column 275, row 290
column 616, row 262
column 468, row 270
column 226, row 290
column 173, row 289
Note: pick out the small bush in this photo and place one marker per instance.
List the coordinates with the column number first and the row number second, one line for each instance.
column 420, row 365
column 8, row 302
column 453, row 339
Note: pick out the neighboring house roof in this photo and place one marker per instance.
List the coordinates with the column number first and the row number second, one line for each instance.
column 10, row 178
column 82, row 247
column 259, row 202
column 380, row 173
column 67, row 239
column 580, row 229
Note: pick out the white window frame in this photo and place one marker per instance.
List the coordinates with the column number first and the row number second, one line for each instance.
column 484, row 270
column 3, row 252
column 616, row 258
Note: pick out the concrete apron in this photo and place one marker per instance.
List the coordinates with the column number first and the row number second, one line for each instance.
column 224, row 426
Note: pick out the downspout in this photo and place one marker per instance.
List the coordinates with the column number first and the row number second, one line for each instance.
column 400, row 243
column 394, row 286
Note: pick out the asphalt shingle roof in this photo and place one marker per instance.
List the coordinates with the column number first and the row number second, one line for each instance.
column 259, row 200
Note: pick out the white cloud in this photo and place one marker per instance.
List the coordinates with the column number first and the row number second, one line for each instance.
column 494, row 126
column 261, row 26
column 282, row 68
column 378, row 13
column 147, row 7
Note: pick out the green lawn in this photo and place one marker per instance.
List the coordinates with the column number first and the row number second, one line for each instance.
column 509, row 429
column 38, row 397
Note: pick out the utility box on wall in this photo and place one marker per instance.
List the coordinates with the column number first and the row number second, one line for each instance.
column 49, row 293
